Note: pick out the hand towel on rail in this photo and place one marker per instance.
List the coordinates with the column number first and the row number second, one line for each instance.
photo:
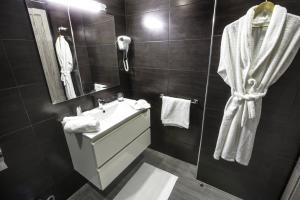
column 175, row 112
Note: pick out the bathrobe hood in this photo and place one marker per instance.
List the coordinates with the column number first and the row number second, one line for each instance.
column 251, row 60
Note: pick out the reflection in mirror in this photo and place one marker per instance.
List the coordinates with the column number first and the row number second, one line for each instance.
column 76, row 46
column 96, row 49
column 52, row 30
column 3, row 166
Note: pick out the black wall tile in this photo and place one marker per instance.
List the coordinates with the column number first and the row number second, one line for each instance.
column 104, row 29
column 141, row 6
column 25, row 61
column 279, row 177
column 120, row 25
column 292, row 6
column 103, row 55
column 295, row 113
column 26, row 183
column 50, row 134
column 191, row 21
column 14, row 23
column 20, row 148
column 152, row 26
column 150, row 54
column 86, row 78
column 187, row 84
column 96, row 18
column 158, row 130
column 190, row 55
column 285, row 92
column 185, row 142
column 231, row 10
column 13, row 114
column 104, row 75
column 38, row 104
column 218, row 93
column 215, row 53
column 83, row 57
column 150, row 81
column 6, row 77
column 78, row 28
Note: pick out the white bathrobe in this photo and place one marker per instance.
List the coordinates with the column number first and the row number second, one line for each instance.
column 65, row 59
column 251, row 60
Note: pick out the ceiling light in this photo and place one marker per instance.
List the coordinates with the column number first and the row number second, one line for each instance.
column 87, row 5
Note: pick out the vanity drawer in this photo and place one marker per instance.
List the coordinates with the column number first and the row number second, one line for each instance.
column 112, row 143
column 110, row 170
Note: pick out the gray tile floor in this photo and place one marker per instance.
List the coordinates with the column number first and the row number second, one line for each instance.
column 186, row 187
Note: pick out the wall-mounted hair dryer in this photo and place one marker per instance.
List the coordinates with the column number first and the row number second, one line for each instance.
column 123, row 44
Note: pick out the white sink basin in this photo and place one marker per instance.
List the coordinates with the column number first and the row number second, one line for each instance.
column 103, row 155
column 115, row 113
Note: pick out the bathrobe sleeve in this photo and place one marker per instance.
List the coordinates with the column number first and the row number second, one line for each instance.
column 224, row 51
column 290, row 50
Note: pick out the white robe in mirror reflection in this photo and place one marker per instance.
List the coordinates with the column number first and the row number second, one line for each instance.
column 65, row 59
column 255, row 52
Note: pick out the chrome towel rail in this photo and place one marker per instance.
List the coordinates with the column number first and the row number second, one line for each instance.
column 193, row 101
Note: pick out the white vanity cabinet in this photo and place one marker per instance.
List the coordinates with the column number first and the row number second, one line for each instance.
column 101, row 157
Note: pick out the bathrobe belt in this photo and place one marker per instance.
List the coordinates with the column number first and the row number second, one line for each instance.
column 248, row 104
column 64, row 75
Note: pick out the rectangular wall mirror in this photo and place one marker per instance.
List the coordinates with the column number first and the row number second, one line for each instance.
column 77, row 48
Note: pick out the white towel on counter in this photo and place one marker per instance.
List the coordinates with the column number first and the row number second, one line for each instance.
column 140, row 104
column 3, row 165
column 80, row 124
column 175, row 112
column 99, row 87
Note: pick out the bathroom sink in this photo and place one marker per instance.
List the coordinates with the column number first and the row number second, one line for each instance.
column 124, row 134
column 112, row 115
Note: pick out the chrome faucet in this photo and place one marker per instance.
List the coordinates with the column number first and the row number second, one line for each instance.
column 101, row 103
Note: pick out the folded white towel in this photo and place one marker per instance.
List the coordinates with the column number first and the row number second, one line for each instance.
column 99, row 87
column 3, row 165
column 175, row 112
column 140, row 104
column 80, row 124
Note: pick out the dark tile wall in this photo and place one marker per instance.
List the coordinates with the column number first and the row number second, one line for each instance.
column 169, row 55
column 277, row 143
column 31, row 136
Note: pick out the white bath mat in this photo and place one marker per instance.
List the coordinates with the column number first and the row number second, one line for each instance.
column 148, row 183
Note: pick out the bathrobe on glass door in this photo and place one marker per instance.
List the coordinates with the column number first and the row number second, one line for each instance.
column 65, row 59
column 251, row 60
